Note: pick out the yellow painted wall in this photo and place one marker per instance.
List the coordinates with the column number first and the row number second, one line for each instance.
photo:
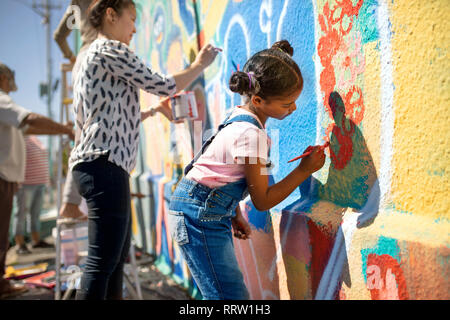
column 421, row 60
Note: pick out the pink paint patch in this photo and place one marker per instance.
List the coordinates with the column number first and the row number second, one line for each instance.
column 297, row 231
column 255, row 258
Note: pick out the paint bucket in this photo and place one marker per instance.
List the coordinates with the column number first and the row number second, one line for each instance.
column 74, row 242
column 184, row 106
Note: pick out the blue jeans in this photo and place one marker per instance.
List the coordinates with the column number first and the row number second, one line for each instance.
column 29, row 199
column 106, row 189
column 200, row 222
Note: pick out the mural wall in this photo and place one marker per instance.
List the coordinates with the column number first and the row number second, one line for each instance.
column 373, row 223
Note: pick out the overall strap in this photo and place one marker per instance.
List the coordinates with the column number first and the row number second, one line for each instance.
column 242, row 117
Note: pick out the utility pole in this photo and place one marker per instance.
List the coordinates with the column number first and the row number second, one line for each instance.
column 47, row 15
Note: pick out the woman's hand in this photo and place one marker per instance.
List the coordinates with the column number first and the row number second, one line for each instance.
column 163, row 106
column 206, row 55
column 241, row 228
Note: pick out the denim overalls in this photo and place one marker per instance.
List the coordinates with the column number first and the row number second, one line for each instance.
column 200, row 222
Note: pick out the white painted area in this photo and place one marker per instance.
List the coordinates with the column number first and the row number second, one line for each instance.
column 387, row 101
column 280, row 22
column 266, row 26
column 236, row 19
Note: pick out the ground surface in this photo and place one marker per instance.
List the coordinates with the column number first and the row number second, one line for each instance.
column 154, row 284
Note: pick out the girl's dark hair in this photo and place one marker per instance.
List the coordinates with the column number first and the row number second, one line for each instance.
column 97, row 10
column 269, row 73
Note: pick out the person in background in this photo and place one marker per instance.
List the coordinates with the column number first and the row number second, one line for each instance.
column 70, row 21
column 15, row 121
column 30, row 195
column 74, row 17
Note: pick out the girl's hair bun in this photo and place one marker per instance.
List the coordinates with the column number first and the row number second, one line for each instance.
column 239, row 82
column 244, row 83
column 284, row 46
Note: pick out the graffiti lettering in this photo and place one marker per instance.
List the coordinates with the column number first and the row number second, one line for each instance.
column 385, row 278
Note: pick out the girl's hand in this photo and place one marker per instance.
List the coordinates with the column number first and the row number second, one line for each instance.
column 241, row 228
column 207, row 55
column 314, row 161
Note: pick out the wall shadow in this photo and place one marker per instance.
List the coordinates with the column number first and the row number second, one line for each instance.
column 352, row 182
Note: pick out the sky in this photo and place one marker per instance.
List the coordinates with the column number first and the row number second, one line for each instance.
column 23, row 48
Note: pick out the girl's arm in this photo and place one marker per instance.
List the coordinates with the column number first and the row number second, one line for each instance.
column 264, row 196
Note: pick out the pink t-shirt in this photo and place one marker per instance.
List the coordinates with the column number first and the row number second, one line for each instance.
column 222, row 162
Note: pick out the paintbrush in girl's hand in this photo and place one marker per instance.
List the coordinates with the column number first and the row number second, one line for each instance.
column 309, row 150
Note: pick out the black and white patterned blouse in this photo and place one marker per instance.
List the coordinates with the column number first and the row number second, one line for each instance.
column 106, row 103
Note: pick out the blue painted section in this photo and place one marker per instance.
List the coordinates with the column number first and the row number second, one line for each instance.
column 261, row 220
column 298, row 131
column 187, row 16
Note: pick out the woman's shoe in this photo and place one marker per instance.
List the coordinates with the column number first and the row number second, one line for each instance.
column 42, row 244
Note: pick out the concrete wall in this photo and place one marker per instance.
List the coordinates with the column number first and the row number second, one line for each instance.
column 374, row 222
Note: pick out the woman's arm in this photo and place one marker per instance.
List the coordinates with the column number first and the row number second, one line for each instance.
column 117, row 59
column 264, row 196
